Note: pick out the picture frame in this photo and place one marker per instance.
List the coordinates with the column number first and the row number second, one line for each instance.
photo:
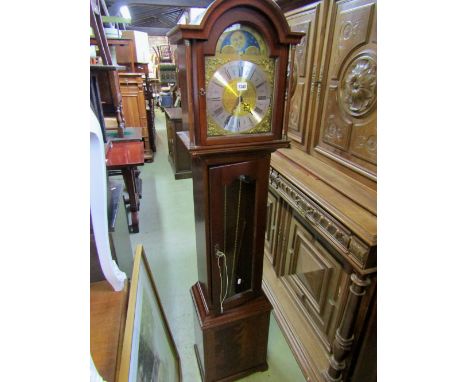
column 165, row 53
column 148, row 350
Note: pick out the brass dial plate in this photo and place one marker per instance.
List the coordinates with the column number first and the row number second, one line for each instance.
column 238, row 96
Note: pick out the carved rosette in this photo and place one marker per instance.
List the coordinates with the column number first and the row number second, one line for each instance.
column 358, row 86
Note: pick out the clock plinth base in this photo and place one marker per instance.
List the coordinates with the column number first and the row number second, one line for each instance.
column 234, row 344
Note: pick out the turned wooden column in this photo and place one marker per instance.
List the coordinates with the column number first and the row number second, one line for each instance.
column 344, row 336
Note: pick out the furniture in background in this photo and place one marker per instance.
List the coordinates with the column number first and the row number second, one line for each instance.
column 134, row 107
column 127, row 45
column 320, row 265
column 149, row 94
column 97, row 72
column 138, row 52
column 126, row 156
column 150, row 99
column 111, row 76
column 167, row 73
column 149, row 104
column 179, row 158
column 135, row 56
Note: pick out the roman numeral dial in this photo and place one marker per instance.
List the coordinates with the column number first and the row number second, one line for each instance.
column 238, row 96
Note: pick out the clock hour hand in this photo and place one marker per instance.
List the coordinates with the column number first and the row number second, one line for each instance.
column 239, row 101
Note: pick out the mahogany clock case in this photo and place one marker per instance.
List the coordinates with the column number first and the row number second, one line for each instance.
column 215, row 172
column 232, row 345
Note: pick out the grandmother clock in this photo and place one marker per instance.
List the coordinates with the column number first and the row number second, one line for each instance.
column 233, row 76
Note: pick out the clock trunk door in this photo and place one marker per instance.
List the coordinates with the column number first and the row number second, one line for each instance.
column 237, row 209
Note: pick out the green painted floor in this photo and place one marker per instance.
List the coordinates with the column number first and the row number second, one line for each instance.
column 167, row 232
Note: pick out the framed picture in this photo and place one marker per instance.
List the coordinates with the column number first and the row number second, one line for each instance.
column 165, row 53
column 148, row 350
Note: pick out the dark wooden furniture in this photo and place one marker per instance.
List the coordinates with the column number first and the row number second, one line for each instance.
column 149, row 93
column 126, row 156
column 179, row 158
column 125, row 45
column 320, row 265
column 99, row 80
column 110, row 75
column 230, row 164
column 134, row 107
column 150, row 96
column 125, row 52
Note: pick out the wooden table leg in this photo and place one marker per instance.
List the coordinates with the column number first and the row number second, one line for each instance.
column 130, row 182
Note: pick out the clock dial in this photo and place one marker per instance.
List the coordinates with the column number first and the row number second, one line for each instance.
column 239, row 83
column 238, row 96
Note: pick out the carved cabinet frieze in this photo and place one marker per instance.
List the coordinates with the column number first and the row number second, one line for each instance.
column 341, row 237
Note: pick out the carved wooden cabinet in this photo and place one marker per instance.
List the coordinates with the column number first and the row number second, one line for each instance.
column 134, row 106
column 178, row 157
column 347, row 132
column 301, row 107
column 320, row 263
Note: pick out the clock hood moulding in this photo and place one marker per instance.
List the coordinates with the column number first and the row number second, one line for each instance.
column 219, row 7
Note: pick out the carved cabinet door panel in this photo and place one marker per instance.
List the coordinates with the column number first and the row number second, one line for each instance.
column 306, row 20
column 315, row 279
column 347, row 130
column 284, row 220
